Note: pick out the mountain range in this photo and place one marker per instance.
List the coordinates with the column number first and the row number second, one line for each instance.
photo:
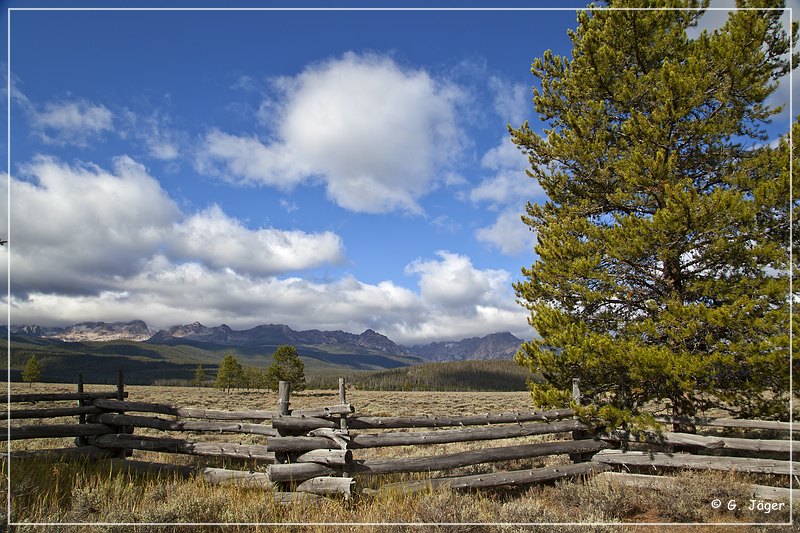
column 493, row 346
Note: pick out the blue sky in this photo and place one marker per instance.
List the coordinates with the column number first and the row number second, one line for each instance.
column 322, row 169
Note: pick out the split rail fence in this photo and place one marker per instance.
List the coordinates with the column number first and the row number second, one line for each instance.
column 313, row 452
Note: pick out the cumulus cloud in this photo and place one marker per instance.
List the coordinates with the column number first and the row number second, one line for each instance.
column 508, row 183
column 507, row 190
column 379, row 136
column 508, row 233
column 220, row 241
column 71, row 122
column 452, row 282
column 80, row 229
column 460, row 300
column 165, row 293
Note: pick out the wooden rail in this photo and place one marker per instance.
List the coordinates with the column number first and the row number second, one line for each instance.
column 708, row 442
column 59, row 430
column 396, row 422
column 55, row 412
column 313, row 448
column 498, row 479
column 380, row 440
column 294, row 472
column 697, row 462
column 186, row 425
column 216, row 449
column 56, row 397
column 731, row 423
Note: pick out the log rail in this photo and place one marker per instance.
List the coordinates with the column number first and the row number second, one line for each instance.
column 310, row 451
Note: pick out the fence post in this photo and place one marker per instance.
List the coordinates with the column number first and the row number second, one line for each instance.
column 121, row 397
column 81, row 403
column 579, row 434
column 576, row 390
column 120, row 385
column 81, row 441
column 343, row 420
column 284, row 389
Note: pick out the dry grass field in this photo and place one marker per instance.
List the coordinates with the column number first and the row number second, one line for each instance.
column 95, row 497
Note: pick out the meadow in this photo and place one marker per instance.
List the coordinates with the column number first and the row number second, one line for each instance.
column 92, row 494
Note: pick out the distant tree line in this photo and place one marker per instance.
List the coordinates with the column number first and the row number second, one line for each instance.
column 479, row 375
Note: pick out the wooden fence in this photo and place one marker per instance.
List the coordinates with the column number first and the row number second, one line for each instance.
column 314, row 452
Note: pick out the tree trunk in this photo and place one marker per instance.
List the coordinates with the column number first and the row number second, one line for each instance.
column 683, row 410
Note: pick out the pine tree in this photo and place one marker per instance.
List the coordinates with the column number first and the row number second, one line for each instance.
column 663, row 245
column 199, row 376
column 286, row 366
column 230, row 373
column 32, row 371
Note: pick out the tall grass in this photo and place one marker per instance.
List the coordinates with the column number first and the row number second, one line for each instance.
column 91, row 494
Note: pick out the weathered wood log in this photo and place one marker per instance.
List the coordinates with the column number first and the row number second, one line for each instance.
column 56, row 396
column 223, row 476
column 297, row 471
column 662, row 482
column 697, row 462
column 473, row 457
column 497, row 479
column 323, row 412
column 188, row 412
column 297, row 424
column 297, row 444
column 462, row 435
column 59, row 430
column 215, row 476
column 85, row 452
column 326, row 457
column 371, row 422
column 342, row 440
column 729, row 423
column 217, row 449
column 327, row 485
column 55, row 412
column 212, row 449
column 774, row 493
column 706, row 442
column 186, row 425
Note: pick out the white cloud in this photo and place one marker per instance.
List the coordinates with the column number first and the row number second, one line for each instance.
column 507, row 190
column 163, row 141
column 377, row 135
column 452, row 282
column 81, row 230
column 220, row 241
column 509, row 184
column 248, row 161
column 512, row 101
column 95, row 244
column 165, row 293
column 508, row 233
column 78, row 228
column 71, row 122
